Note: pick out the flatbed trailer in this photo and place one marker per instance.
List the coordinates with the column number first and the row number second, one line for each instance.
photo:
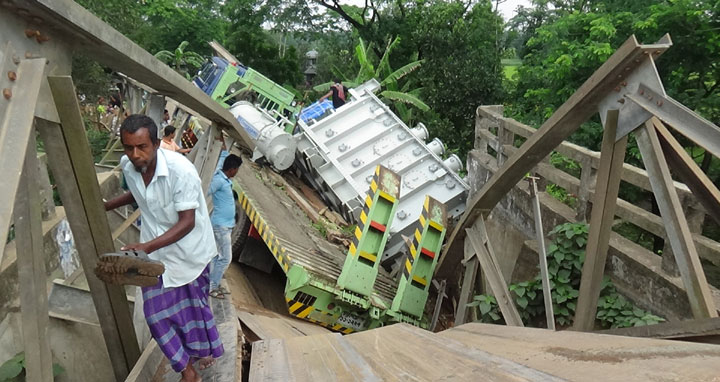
column 311, row 263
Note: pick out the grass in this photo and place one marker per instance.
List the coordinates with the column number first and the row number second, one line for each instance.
column 510, row 66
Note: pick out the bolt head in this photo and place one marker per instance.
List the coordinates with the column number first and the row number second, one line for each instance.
column 7, row 93
column 12, row 75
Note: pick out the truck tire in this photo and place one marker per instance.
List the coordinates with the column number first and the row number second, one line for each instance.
column 240, row 232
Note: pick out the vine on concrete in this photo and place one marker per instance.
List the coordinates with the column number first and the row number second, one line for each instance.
column 566, row 255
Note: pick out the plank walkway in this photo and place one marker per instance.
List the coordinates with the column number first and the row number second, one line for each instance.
column 478, row 352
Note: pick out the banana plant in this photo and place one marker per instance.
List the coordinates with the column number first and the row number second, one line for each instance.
column 180, row 59
column 404, row 100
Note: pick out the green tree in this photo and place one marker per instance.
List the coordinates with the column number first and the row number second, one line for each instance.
column 255, row 47
column 388, row 78
column 183, row 61
column 462, row 67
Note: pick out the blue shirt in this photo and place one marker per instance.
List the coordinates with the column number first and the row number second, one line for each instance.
column 223, row 214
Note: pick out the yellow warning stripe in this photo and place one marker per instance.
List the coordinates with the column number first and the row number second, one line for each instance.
column 426, row 204
column 413, row 250
column 387, row 196
column 295, row 306
column 420, row 280
column 436, row 225
column 368, row 201
column 305, row 312
column 368, row 256
column 421, row 219
column 363, row 216
column 358, row 233
column 352, row 249
column 373, row 185
column 418, row 236
column 408, row 265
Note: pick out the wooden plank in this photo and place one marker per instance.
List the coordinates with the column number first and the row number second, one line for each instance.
column 327, row 357
column 576, row 110
column 601, row 220
column 405, row 352
column 14, row 134
column 269, row 362
column 147, row 364
column 468, row 283
column 126, row 224
column 110, row 47
column 31, row 270
column 687, row 170
column 542, row 254
column 692, row 330
column 578, row 356
column 491, row 269
column 71, row 162
column 267, row 327
column 678, row 233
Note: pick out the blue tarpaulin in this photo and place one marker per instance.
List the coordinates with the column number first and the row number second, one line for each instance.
column 315, row 110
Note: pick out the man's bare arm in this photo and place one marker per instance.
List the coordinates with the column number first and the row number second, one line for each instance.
column 185, row 224
column 122, row 200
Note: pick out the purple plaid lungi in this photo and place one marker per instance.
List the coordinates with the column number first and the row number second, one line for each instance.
column 181, row 321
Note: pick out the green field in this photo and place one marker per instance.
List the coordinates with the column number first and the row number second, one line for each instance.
column 510, row 66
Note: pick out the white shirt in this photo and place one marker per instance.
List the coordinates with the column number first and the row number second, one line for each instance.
column 175, row 187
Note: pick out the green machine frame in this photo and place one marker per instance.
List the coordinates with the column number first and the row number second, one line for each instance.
column 271, row 96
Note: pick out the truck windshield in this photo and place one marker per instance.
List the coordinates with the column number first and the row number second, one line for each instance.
column 206, row 74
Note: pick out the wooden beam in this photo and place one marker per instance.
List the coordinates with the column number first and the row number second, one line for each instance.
column 701, row 330
column 31, row 270
column 686, row 169
column 468, row 283
column 542, row 256
column 576, row 110
column 676, row 227
column 14, row 134
column 491, row 269
column 612, row 156
column 71, row 163
column 100, row 41
column 126, row 224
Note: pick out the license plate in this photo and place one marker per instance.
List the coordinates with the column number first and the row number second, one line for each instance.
column 351, row 321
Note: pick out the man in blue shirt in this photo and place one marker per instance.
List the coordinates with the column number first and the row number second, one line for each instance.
column 222, row 218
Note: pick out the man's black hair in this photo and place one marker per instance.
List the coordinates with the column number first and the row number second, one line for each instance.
column 337, row 80
column 136, row 122
column 231, row 162
column 168, row 130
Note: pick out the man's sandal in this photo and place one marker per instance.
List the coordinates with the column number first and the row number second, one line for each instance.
column 129, row 268
column 217, row 293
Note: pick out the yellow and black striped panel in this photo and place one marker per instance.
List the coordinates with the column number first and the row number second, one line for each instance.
column 264, row 231
column 303, row 311
column 364, row 213
column 298, row 309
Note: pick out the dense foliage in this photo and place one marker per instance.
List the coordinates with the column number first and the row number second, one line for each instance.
column 565, row 258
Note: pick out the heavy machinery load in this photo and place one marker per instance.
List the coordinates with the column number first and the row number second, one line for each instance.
column 228, row 82
column 338, row 154
column 272, row 142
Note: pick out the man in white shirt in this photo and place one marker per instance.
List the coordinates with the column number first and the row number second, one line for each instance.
column 176, row 231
